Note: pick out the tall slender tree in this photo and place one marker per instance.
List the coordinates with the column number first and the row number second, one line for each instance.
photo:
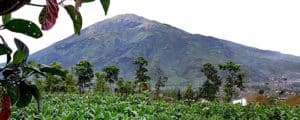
column 212, row 84
column 100, row 82
column 70, row 81
column 161, row 81
column 54, row 83
column 112, row 73
column 85, row 73
column 142, row 78
column 188, row 94
column 234, row 78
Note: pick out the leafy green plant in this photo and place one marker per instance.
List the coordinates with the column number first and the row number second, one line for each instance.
column 15, row 74
column 137, row 106
column 17, row 89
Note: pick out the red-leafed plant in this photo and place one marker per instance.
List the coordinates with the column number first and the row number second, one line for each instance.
column 17, row 90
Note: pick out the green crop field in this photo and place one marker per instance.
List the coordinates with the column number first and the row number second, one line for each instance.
column 106, row 107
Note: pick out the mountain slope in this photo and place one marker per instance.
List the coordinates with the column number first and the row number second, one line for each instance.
column 122, row 38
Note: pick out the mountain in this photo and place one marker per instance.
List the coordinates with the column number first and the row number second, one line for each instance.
column 118, row 40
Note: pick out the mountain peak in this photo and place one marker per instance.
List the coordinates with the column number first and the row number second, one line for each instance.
column 132, row 21
column 130, row 24
column 124, row 22
column 132, row 17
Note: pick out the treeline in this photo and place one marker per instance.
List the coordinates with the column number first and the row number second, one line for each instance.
column 79, row 79
column 223, row 82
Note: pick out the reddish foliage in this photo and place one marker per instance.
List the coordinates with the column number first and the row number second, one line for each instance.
column 50, row 15
column 5, row 108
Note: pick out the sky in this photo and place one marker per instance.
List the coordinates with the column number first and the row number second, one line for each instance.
column 265, row 24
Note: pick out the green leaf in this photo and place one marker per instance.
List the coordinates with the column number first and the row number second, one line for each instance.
column 25, row 27
column 19, row 57
column 8, row 57
column 25, row 95
column 13, row 92
column 6, row 18
column 53, row 71
column 33, row 70
column 21, row 54
column 36, row 94
column 76, row 18
column 4, row 49
column 21, row 46
column 105, row 5
column 42, row 15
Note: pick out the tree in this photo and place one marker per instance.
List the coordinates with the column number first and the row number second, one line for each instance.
column 161, row 80
column 234, row 78
column 40, row 84
column 50, row 83
column 70, row 82
column 12, row 69
column 120, row 86
column 54, row 83
column 142, row 78
column 125, row 87
column 178, row 95
column 172, row 92
column 112, row 73
column 100, row 82
column 83, row 69
column 188, row 94
column 129, row 87
column 212, row 84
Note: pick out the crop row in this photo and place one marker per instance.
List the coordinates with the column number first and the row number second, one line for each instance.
column 138, row 106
